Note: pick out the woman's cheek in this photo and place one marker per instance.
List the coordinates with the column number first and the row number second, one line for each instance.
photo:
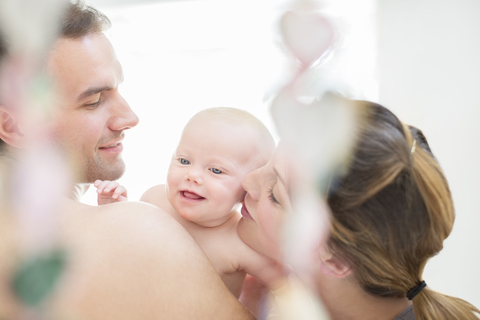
column 270, row 220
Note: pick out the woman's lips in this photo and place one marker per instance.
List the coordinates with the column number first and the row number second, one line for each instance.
column 245, row 212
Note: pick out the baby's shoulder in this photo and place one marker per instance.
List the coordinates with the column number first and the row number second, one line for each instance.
column 155, row 195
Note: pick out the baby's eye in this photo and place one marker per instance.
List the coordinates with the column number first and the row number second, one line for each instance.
column 216, row 171
column 184, row 161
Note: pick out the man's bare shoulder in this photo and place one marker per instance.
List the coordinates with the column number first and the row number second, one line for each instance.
column 136, row 260
column 134, row 218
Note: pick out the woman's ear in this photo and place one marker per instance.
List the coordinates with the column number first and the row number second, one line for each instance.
column 10, row 131
column 331, row 265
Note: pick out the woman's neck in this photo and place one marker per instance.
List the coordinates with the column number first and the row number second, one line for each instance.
column 346, row 300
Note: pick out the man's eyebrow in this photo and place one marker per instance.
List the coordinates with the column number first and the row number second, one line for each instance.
column 92, row 91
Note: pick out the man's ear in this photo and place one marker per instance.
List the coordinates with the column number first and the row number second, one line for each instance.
column 332, row 265
column 10, row 131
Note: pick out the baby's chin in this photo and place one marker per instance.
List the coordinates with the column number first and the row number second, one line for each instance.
column 189, row 215
column 197, row 219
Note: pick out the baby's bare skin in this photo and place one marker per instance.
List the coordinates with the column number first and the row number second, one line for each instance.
column 231, row 257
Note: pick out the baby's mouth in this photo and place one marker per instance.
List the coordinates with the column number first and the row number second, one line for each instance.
column 191, row 195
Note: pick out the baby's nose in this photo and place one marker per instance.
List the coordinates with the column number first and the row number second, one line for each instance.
column 194, row 176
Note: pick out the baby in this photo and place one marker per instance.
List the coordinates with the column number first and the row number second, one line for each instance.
column 217, row 149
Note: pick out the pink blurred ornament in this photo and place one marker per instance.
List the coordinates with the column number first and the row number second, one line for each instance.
column 307, row 35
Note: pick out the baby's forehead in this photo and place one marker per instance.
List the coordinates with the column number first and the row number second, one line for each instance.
column 223, row 135
column 234, row 129
column 220, row 140
column 219, row 126
column 229, row 116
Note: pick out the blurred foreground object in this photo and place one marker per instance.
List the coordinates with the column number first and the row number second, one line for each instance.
column 328, row 120
column 34, row 178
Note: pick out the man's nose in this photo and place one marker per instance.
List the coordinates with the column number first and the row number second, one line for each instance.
column 123, row 117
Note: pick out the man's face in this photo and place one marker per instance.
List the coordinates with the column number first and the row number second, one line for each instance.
column 91, row 115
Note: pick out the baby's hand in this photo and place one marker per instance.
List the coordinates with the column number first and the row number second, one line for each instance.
column 110, row 192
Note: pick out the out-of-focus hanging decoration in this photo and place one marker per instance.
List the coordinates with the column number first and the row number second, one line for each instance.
column 34, row 179
column 320, row 133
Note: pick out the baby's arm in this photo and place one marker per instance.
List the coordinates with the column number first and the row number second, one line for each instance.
column 109, row 192
column 268, row 271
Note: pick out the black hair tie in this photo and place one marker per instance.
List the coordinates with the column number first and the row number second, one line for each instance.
column 414, row 291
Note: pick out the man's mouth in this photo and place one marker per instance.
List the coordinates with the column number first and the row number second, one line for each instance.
column 111, row 146
column 190, row 196
column 116, row 147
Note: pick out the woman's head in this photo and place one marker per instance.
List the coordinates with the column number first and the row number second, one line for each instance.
column 392, row 211
column 390, row 201
column 265, row 205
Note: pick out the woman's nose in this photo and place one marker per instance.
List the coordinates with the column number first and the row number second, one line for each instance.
column 123, row 117
column 250, row 184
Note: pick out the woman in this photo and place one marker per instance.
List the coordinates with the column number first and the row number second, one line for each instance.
column 390, row 214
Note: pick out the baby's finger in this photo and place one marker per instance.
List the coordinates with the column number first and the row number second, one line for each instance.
column 122, row 198
column 120, row 191
column 97, row 183
column 112, row 185
column 102, row 185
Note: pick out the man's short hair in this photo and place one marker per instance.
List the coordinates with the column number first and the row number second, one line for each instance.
column 78, row 20
column 81, row 20
column 3, row 47
column 3, row 54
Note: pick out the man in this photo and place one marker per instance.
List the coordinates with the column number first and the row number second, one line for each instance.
column 93, row 116
column 127, row 260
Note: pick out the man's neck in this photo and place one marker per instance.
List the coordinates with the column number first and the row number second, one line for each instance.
column 78, row 190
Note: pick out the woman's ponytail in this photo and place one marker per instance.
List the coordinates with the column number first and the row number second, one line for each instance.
column 391, row 213
column 432, row 305
column 433, row 187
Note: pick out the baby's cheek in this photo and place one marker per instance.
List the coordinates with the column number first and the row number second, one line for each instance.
column 231, row 190
column 172, row 178
column 170, row 185
column 238, row 199
column 240, row 195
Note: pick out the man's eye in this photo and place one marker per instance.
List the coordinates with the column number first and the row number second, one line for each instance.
column 216, row 171
column 184, row 161
column 94, row 105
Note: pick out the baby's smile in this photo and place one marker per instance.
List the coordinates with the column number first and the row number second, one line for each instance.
column 190, row 196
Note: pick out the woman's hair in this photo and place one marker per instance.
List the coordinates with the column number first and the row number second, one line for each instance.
column 391, row 213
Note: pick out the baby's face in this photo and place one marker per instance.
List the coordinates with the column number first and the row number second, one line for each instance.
column 204, row 180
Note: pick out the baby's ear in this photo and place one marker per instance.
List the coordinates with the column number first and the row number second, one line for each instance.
column 332, row 265
column 10, row 131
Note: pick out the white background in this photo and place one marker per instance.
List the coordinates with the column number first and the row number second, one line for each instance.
column 418, row 58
